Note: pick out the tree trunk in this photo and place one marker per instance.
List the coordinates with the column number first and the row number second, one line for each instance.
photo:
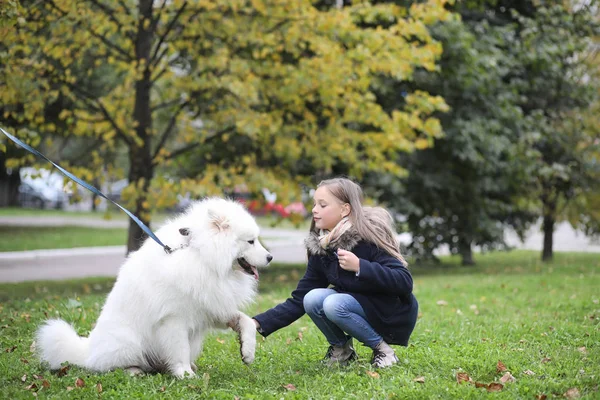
column 9, row 184
column 466, row 252
column 548, row 227
column 140, row 156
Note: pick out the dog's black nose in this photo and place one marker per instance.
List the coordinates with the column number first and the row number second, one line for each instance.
column 269, row 258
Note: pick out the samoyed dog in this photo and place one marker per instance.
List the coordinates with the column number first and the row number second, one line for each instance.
column 162, row 305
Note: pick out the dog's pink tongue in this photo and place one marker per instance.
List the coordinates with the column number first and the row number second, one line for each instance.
column 255, row 272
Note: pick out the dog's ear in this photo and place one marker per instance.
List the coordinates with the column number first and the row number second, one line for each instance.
column 184, row 231
column 220, row 222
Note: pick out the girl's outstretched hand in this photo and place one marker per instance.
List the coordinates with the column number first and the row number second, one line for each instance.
column 348, row 260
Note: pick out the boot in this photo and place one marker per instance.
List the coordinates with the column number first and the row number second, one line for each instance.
column 383, row 356
column 340, row 355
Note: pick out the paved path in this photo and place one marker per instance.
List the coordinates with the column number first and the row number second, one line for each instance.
column 285, row 245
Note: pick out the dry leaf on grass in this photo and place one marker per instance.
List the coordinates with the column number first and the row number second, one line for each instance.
column 99, row 387
column 24, row 378
column 462, row 377
column 541, row 397
column 442, row 303
column 63, row 370
column 10, row 349
column 582, row 350
column 69, row 388
column 546, row 359
column 420, row 379
column 33, row 386
column 290, row 387
column 507, row 377
column 79, row 383
column 500, row 367
column 373, row 374
column 529, row 372
column 572, row 393
column 300, row 336
column 222, row 341
column 495, row 387
column 45, row 384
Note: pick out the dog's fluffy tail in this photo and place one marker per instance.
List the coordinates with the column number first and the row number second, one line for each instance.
column 58, row 342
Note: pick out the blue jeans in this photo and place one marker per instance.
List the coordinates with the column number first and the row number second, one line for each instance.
column 337, row 314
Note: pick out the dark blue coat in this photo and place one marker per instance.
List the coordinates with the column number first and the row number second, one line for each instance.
column 383, row 289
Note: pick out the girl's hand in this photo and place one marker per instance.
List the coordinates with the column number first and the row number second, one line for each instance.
column 348, row 260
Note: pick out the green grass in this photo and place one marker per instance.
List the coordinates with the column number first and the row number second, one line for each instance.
column 21, row 238
column 510, row 308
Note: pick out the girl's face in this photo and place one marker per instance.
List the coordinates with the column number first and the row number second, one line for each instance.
column 328, row 209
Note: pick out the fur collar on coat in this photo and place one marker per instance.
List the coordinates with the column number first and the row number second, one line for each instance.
column 347, row 241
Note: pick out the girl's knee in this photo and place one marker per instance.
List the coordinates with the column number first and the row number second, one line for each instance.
column 314, row 299
column 335, row 306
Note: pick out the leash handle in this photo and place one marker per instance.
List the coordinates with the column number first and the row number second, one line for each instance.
column 92, row 189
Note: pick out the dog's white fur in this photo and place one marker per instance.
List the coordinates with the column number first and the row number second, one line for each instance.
column 162, row 305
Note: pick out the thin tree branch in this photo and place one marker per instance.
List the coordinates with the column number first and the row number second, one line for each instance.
column 119, row 50
column 192, row 146
column 165, row 104
column 165, row 34
column 169, row 129
column 110, row 13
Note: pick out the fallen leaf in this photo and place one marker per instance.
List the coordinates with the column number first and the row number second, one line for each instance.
column 463, row 377
column 500, row 367
column 79, row 383
column 290, row 387
column 33, row 386
column 222, row 341
column 38, row 376
column 24, row 378
column 480, row 385
column 420, row 379
column 10, row 349
column 546, row 359
column 69, row 388
column 442, row 303
column 300, row 336
column 304, row 328
column 373, row 374
column 24, row 361
column 162, row 389
column 45, row 384
column 495, row 387
column 288, row 341
column 572, row 393
column 541, row 397
column 99, row 387
column 582, row 350
column 63, row 370
column 507, row 377
column 528, row 372
column 32, row 347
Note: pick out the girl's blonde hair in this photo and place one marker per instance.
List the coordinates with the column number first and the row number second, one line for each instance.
column 373, row 224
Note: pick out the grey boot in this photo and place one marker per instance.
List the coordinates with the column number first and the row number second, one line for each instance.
column 340, row 355
column 383, row 356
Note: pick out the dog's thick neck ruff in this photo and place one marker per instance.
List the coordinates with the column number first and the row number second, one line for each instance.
column 346, row 241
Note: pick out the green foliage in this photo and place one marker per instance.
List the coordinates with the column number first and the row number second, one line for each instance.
column 513, row 309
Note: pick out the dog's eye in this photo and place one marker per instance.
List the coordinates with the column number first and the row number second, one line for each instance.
column 251, row 241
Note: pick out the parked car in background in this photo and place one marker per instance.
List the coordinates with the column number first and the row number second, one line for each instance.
column 43, row 189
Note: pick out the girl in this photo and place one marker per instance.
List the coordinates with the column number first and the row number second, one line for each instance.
column 354, row 249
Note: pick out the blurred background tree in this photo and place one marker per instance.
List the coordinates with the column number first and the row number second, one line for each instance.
column 202, row 96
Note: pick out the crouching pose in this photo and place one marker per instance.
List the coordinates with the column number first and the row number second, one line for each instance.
column 354, row 249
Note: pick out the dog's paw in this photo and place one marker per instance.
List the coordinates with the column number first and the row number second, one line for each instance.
column 134, row 371
column 183, row 372
column 247, row 357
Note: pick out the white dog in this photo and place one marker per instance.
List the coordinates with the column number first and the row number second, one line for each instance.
column 162, row 305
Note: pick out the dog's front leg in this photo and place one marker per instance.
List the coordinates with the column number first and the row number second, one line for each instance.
column 246, row 330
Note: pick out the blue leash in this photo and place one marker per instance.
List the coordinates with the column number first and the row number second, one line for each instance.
column 89, row 187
